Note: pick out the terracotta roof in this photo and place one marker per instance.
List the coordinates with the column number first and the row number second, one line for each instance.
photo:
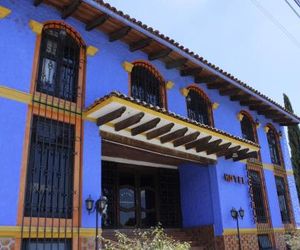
column 166, row 112
column 191, row 53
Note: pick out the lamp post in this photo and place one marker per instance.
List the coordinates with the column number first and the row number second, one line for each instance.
column 100, row 207
column 235, row 215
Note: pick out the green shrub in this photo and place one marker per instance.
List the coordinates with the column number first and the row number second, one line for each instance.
column 152, row 239
column 293, row 240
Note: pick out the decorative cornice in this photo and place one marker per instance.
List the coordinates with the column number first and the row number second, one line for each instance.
column 169, row 84
column 266, row 129
column 91, row 50
column 127, row 66
column 184, row 91
column 215, row 105
column 36, row 27
column 240, row 116
column 4, row 12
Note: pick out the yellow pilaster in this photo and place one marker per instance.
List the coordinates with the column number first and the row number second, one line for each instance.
column 127, row 66
column 36, row 26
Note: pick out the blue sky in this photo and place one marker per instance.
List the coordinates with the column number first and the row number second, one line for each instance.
column 235, row 35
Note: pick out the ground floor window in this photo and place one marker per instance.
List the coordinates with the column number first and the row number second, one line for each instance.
column 258, row 196
column 281, row 193
column 264, row 242
column 140, row 196
column 46, row 244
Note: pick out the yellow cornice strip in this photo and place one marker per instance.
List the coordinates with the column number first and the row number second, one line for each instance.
column 290, row 172
column 232, row 231
column 169, row 118
column 268, row 166
column 14, row 94
column 4, row 12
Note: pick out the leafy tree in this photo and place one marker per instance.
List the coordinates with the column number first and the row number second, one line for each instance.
column 294, row 141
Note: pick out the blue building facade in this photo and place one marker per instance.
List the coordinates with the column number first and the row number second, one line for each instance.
column 94, row 103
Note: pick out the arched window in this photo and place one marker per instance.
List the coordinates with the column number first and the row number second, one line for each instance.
column 147, row 84
column 274, row 145
column 199, row 106
column 59, row 62
column 248, row 127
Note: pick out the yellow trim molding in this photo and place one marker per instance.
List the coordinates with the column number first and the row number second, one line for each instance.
column 215, row 105
column 48, row 232
column 268, row 166
column 127, row 66
column 15, row 95
column 258, row 125
column 169, row 118
column 232, row 231
column 290, row 172
column 91, row 50
column 184, row 91
column 4, row 12
column 169, row 84
column 36, row 26
column 240, row 116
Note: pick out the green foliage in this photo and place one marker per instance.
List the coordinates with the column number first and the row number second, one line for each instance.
column 294, row 142
column 153, row 239
column 293, row 240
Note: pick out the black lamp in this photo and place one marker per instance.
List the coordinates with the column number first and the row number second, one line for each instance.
column 234, row 213
column 242, row 213
column 101, row 204
column 89, row 204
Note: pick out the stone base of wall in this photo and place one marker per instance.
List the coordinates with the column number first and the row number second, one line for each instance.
column 7, row 244
column 279, row 240
column 230, row 242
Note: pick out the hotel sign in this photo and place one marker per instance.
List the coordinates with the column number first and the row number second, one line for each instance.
column 234, row 178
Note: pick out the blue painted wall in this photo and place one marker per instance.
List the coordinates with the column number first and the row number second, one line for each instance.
column 196, row 200
column 104, row 74
column 12, row 134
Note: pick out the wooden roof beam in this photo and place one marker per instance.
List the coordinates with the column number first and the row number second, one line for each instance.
column 250, row 102
column 229, row 91
column 205, row 79
column 37, row 2
column 186, row 139
column 159, row 54
column 159, row 131
column 191, row 71
column 259, row 107
column 145, row 126
column 129, row 121
column 118, row 34
column 96, row 22
column 218, row 148
column 143, row 43
column 217, row 85
column 268, row 112
column 245, row 156
column 193, row 144
column 176, row 63
column 70, row 9
column 110, row 116
column 228, row 151
column 239, row 153
column 240, row 97
column 173, row 135
column 205, row 147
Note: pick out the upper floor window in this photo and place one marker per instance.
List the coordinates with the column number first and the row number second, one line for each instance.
column 248, row 127
column 199, row 106
column 58, row 63
column 274, row 145
column 282, row 198
column 147, row 84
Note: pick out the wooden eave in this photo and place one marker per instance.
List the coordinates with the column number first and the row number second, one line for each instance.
column 155, row 129
column 141, row 37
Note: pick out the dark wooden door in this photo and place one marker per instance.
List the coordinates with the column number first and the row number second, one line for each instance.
column 137, row 198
